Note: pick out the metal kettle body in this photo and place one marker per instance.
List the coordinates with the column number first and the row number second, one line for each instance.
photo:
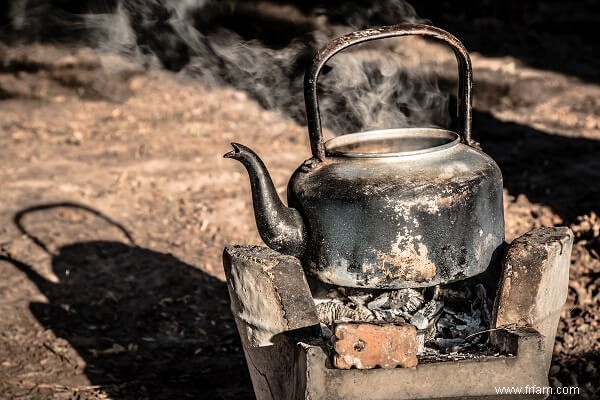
column 404, row 219
column 385, row 209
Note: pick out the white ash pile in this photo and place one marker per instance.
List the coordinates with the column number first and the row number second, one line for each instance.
column 448, row 319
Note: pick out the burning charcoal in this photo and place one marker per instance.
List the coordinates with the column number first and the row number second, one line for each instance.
column 382, row 315
column 451, row 295
column 483, row 303
column 360, row 300
column 460, row 324
column 379, row 302
column 442, row 323
column 394, row 316
column 422, row 318
column 420, row 343
column 390, row 315
column 420, row 321
column 429, row 333
column 408, row 300
column 329, row 312
column 449, row 345
column 357, row 296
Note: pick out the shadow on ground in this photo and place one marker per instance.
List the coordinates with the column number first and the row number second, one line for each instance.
column 558, row 171
column 552, row 35
column 146, row 324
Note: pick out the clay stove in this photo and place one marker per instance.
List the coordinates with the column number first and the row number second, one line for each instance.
column 445, row 310
column 289, row 358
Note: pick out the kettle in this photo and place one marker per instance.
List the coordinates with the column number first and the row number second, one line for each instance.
column 385, row 209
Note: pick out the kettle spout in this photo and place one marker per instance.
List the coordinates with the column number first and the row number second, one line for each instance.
column 280, row 227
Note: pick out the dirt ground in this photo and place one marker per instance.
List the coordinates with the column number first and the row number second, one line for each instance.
column 116, row 203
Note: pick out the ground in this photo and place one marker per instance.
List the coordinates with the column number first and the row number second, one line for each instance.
column 116, row 203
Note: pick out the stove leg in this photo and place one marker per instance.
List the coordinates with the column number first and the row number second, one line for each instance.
column 272, row 307
column 534, row 283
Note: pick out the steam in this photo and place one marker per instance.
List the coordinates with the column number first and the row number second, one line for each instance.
column 372, row 89
column 216, row 42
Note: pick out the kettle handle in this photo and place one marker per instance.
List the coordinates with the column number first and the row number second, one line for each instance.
column 465, row 77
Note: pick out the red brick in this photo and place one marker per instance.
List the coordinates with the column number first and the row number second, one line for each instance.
column 366, row 346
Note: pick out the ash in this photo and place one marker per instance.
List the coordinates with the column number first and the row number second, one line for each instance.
column 451, row 321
